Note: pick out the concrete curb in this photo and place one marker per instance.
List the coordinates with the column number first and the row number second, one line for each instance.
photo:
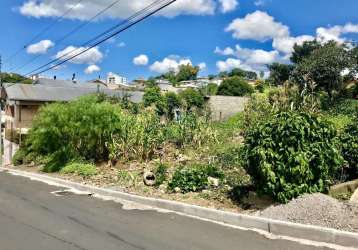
column 306, row 232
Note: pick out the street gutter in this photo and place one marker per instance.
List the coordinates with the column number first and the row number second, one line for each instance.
column 312, row 234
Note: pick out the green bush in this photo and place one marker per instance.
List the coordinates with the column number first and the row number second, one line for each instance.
column 349, row 143
column 18, row 158
column 341, row 107
column 290, row 154
column 79, row 129
column 235, row 86
column 339, row 121
column 160, row 174
column 192, row 99
column 152, row 96
column 193, row 178
column 82, row 169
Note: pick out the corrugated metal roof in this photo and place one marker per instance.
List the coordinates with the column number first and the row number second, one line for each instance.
column 51, row 90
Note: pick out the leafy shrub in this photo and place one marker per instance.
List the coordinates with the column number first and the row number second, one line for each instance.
column 192, row 99
column 235, row 86
column 160, row 174
column 349, row 143
column 260, row 87
column 82, row 169
column 193, row 178
column 18, row 158
column 79, row 129
column 152, row 96
column 291, row 154
column 339, row 121
column 343, row 107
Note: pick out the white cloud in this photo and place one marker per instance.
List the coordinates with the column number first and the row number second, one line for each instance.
column 202, row 66
column 92, row 56
column 285, row 44
column 40, row 47
column 228, row 64
column 250, row 56
column 92, row 69
column 228, row 5
column 262, row 57
column 257, row 26
column 224, row 52
column 335, row 33
column 141, row 60
column 87, row 9
column 42, row 9
column 169, row 64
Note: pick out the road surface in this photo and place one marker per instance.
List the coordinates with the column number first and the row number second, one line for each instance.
column 32, row 218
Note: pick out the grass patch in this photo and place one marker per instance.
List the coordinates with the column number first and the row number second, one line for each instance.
column 81, row 169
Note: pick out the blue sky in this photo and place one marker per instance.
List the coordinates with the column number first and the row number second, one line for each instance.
column 215, row 34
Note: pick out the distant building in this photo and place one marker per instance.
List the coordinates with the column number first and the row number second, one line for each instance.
column 165, row 88
column 115, row 79
column 162, row 81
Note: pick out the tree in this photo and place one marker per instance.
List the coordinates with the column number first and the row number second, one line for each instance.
column 151, row 82
column 192, row 98
column 187, row 72
column 237, row 72
column 15, row 78
column 323, row 68
column 303, row 51
column 151, row 96
column 243, row 73
column 223, row 74
column 251, row 75
column 279, row 73
column 235, row 86
column 262, row 74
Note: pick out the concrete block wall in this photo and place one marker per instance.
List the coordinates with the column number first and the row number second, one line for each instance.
column 224, row 107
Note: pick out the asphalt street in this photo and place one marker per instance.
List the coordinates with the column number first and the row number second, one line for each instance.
column 33, row 218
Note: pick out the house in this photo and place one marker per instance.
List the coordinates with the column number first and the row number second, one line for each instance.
column 22, row 102
column 165, row 88
column 115, row 79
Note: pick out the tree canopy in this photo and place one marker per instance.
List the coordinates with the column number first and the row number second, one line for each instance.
column 279, row 73
column 187, row 72
column 323, row 68
column 235, row 86
column 15, row 78
column 302, row 51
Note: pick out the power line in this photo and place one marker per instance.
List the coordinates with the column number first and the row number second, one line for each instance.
column 110, row 36
column 10, row 58
column 79, row 27
column 93, row 42
column 99, row 36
